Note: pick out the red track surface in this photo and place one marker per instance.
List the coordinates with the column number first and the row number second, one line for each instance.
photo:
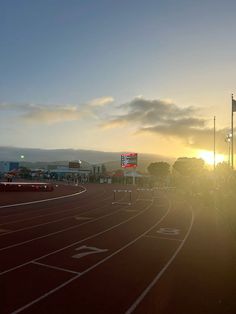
column 81, row 254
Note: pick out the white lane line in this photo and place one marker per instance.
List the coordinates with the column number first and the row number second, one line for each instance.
column 162, row 238
column 158, row 276
column 39, row 210
column 77, row 242
column 57, row 232
column 35, row 217
column 38, row 225
column 82, row 218
column 4, row 231
column 92, row 267
column 51, row 222
column 50, row 214
column 56, row 268
column 44, row 200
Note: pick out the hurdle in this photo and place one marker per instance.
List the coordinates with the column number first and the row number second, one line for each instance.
column 143, row 192
column 165, row 189
column 125, row 199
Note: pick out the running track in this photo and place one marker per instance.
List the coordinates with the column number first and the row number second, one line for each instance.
column 81, row 254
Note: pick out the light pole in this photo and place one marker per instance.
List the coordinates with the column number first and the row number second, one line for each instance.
column 228, row 140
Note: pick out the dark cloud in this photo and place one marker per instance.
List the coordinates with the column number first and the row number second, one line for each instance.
column 168, row 120
column 148, row 112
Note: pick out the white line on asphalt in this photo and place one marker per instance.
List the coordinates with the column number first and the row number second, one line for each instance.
column 90, row 268
column 46, row 223
column 44, row 200
column 162, row 238
column 57, row 232
column 39, row 210
column 158, row 276
column 75, row 243
column 56, row 268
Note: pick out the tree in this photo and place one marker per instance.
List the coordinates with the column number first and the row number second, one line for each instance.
column 159, row 169
column 189, row 166
column 225, row 175
column 223, row 169
column 24, row 172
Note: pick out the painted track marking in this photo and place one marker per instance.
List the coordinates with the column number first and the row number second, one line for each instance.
column 44, row 200
column 59, row 231
column 92, row 267
column 82, row 218
column 158, row 276
column 45, row 215
column 50, row 222
column 87, row 250
column 77, row 242
column 4, row 231
column 56, row 268
column 40, row 210
column 162, row 238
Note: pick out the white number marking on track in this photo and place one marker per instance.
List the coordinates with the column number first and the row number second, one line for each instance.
column 88, row 250
column 169, row 231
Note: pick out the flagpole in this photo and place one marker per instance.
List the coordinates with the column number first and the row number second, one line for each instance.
column 232, row 135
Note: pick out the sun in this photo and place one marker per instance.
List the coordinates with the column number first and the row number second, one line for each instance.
column 208, row 157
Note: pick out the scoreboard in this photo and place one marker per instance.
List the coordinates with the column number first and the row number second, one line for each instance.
column 74, row 164
column 129, row 160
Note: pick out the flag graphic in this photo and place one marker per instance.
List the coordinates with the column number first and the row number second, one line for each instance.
column 233, row 105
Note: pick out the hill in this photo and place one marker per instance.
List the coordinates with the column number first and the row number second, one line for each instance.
column 40, row 158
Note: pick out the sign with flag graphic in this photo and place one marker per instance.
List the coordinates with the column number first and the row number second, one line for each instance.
column 129, row 160
column 233, row 105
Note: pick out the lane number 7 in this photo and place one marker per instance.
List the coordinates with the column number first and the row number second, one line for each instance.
column 87, row 250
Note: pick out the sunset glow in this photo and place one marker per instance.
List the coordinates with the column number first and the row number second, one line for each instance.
column 208, row 157
column 105, row 76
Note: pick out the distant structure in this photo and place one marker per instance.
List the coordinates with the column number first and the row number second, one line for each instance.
column 75, row 170
column 7, row 166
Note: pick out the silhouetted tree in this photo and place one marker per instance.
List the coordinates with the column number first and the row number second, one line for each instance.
column 223, row 169
column 24, row 172
column 159, row 169
column 189, row 166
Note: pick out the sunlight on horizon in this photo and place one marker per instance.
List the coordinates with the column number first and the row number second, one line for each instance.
column 208, row 157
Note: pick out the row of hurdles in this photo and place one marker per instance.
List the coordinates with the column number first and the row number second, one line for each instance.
column 125, row 196
column 25, row 187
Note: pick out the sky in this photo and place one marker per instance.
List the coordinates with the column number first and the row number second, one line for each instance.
column 129, row 75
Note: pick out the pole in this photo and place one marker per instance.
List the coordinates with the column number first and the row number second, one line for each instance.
column 232, row 133
column 214, row 142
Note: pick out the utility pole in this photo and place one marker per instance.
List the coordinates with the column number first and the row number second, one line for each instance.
column 232, row 134
column 214, row 143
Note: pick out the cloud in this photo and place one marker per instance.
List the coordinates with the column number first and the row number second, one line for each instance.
column 17, row 107
column 101, row 101
column 166, row 119
column 148, row 112
column 51, row 114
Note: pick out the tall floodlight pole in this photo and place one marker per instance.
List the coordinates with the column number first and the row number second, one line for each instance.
column 232, row 133
column 228, row 141
column 229, row 152
column 214, row 142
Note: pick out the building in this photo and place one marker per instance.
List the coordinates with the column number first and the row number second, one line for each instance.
column 7, row 166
